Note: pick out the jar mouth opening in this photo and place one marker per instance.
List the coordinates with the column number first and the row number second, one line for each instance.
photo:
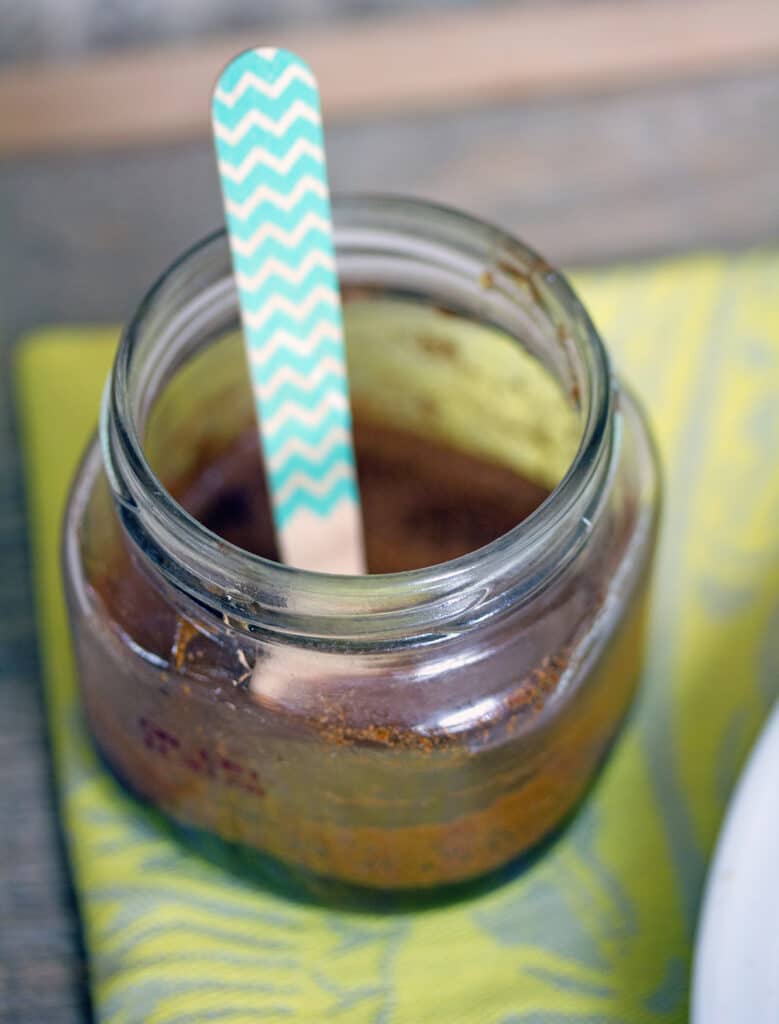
column 268, row 596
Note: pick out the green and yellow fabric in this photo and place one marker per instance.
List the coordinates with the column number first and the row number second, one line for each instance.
column 600, row 927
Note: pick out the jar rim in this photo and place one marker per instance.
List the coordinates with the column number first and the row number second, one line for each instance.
column 265, row 596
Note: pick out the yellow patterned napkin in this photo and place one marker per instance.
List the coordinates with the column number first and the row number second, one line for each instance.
column 599, row 928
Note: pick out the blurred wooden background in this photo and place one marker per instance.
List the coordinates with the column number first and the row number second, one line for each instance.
column 597, row 130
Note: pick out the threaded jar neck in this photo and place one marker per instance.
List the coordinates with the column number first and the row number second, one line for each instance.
column 405, row 246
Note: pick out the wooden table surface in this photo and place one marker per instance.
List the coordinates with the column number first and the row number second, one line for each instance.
column 664, row 167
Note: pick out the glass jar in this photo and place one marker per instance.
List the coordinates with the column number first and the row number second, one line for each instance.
column 396, row 730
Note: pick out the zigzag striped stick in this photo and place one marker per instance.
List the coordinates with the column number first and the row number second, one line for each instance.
column 268, row 136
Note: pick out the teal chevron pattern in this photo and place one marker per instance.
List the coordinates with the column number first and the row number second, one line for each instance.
column 268, row 136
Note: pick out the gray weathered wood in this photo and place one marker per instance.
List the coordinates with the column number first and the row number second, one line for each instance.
column 666, row 169
column 450, row 60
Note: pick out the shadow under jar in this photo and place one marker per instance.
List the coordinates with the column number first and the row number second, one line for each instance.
column 405, row 728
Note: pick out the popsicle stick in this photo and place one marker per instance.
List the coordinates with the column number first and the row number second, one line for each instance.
column 270, row 152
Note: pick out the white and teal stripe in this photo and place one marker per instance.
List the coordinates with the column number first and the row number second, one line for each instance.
column 268, row 136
